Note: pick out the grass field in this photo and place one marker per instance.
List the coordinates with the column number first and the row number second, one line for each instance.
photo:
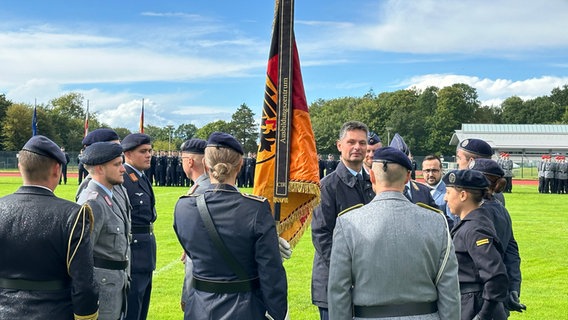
column 540, row 223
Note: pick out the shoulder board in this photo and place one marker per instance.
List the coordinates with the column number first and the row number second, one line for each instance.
column 92, row 195
column 425, row 206
column 254, row 197
column 188, row 195
column 359, row 205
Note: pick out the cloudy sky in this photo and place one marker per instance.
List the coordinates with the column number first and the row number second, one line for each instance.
column 198, row 61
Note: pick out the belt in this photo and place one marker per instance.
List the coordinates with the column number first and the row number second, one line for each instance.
column 395, row 310
column 468, row 287
column 110, row 264
column 142, row 229
column 226, row 286
column 20, row 284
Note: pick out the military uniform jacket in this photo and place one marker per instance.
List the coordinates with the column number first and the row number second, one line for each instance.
column 36, row 231
column 562, row 170
column 480, row 261
column 110, row 242
column 549, row 169
column 246, row 226
column 339, row 191
column 390, row 252
column 143, row 246
column 118, row 191
column 504, row 230
column 507, row 166
column 421, row 193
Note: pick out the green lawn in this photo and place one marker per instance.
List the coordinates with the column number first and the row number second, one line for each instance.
column 540, row 223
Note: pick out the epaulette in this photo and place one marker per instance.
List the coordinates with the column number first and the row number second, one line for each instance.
column 133, row 176
column 254, row 197
column 92, row 195
column 188, row 195
column 415, row 185
column 425, row 206
column 359, row 205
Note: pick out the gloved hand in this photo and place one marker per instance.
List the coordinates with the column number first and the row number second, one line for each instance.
column 285, row 249
column 513, row 303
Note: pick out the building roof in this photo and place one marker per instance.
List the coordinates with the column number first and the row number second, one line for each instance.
column 539, row 138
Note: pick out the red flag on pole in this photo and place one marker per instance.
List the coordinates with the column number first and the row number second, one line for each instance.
column 287, row 167
column 142, row 118
column 86, row 131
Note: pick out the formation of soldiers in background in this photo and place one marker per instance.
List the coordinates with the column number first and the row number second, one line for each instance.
column 166, row 170
column 506, row 164
column 553, row 175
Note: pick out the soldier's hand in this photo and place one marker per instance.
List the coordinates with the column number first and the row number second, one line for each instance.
column 285, row 249
column 513, row 302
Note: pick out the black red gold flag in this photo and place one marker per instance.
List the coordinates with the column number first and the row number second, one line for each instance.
column 287, row 167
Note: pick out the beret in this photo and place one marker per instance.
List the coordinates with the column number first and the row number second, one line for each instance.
column 467, row 179
column 373, row 138
column 486, row 166
column 133, row 140
column 397, row 142
column 477, row 147
column 392, row 155
column 100, row 152
column 224, row 140
column 194, row 146
column 100, row 135
column 42, row 145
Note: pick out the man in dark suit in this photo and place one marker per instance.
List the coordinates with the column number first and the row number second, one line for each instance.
column 39, row 279
column 137, row 153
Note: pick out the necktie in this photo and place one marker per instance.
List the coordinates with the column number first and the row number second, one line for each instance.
column 360, row 182
column 407, row 193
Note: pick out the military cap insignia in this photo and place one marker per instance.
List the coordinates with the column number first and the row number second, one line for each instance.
column 254, row 197
column 452, row 177
column 464, row 143
column 482, row 242
column 471, row 164
column 349, row 209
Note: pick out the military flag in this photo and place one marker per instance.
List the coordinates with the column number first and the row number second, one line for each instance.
column 142, row 118
column 286, row 167
column 34, row 121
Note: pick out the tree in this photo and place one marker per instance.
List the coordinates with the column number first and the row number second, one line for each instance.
column 4, row 104
column 205, row 131
column 512, row 110
column 16, row 126
column 185, row 131
column 244, row 128
column 122, row 132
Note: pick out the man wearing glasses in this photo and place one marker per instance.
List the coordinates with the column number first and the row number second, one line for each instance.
column 432, row 172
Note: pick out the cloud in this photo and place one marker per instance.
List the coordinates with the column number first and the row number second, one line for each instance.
column 491, row 91
column 446, row 26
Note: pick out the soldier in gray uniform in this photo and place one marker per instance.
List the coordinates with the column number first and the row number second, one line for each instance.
column 382, row 266
column 507, row 166
column 111, row 244
column 562, row 175
column 549, row 168
column 540, row 168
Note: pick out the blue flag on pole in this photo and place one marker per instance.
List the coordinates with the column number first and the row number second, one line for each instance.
column 34, row 122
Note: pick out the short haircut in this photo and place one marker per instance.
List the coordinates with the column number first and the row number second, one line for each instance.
column 395, row 174
column 352, row 125
column 431, row 157
column 35, row 167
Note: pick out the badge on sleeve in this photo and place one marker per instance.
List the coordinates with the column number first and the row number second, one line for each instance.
column 482, row 242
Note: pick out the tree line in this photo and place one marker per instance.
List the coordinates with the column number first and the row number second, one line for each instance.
column 425, row 118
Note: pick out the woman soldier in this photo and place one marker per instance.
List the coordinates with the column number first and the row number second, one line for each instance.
column 503, row 227
column 231, row 239
column 482, row 274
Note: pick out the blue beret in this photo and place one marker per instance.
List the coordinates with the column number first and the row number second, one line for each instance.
column 44, row 146
column 487, row 166
column 467, row 179
column 224, row 140
column 133, row 140
column 373, row 138
column 398, row 143
column 477, row 147
column 392, row 155
column 100, row 135
column 100, row 152
column 194, row 146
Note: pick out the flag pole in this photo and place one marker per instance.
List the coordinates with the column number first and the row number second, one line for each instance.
column 142, row 118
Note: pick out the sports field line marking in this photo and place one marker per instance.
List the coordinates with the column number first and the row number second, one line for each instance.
column 167, row 267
